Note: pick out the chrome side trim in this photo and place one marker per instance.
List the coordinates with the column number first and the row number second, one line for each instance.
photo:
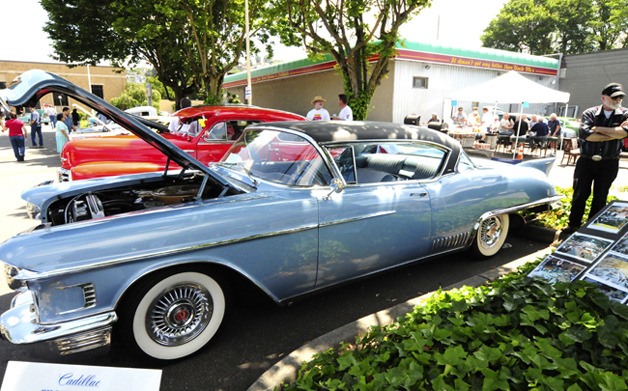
column 516, row 208
column 24, row 275
column 363, row 217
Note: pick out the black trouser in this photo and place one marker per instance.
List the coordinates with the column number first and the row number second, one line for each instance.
column 599, row 174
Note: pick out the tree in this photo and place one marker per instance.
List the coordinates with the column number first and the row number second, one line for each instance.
column 217, row 37
column 565, row 26
column 190, row 44
column 134, row 95
column 361, row 35
column 522, row 26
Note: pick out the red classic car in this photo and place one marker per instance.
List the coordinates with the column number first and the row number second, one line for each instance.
column 205, row 132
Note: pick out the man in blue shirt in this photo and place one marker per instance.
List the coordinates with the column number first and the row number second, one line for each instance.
column 68, row 119
column 35, row 123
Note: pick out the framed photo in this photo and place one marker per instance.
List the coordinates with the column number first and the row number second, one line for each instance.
column 621, row 246
column 613, row 270
column 612, row 293
column 556, row 269
column 584, row 247
column 613, row 219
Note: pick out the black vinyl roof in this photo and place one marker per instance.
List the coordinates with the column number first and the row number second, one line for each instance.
column 326, row 132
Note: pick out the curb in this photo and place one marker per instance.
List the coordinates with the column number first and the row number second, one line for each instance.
column 285, row 371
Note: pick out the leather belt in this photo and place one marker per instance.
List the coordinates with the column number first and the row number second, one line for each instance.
column 597, row 158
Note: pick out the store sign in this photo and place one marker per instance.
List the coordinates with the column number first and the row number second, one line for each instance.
column 597, row 253
column 475, row 63
column 27, row 376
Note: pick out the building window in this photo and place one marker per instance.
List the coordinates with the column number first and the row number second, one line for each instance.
column 98, row 91
column 60, row 100
column 419, row 82
column 3, row 85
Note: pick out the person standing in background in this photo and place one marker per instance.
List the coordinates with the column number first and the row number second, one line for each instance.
column 487, row 119
column 62, row 133
column 51, row 112
column 67, row 119
column 554, row 130
column 346, row 114
column 35, row 123
column 17, row 136
column 318, row 113
column 76, row 118
column 601, row 134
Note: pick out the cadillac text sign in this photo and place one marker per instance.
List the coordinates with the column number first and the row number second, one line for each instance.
column 27, row 376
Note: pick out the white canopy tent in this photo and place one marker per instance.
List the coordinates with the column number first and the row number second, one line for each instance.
column 511, row 87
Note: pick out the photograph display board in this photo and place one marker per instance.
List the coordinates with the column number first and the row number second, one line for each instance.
column 596, row 253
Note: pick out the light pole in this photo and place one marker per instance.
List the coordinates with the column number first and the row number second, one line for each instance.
column 248, row 93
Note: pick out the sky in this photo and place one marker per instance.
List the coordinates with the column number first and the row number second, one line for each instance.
column 450, row 22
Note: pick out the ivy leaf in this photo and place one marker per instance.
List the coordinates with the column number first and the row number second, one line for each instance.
column 620, row 310
column 452, row 356
column 346, row 361
column 574, row 334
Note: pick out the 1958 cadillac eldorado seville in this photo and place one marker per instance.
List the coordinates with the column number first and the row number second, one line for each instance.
column 292, row 208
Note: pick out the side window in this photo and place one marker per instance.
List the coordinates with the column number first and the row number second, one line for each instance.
column 217, row 132
column 465, row 163
column 229, row 130
column 388, row 162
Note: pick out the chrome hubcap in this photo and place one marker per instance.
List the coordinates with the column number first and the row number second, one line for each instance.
column 179, row 314
column 490, row 231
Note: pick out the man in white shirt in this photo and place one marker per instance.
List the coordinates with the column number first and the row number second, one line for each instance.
column 318, row 113
column 346, row 114
column 487, row 119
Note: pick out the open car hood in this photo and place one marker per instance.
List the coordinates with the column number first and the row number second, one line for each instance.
column 28, row 88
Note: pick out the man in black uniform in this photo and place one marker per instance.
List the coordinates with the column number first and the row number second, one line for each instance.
column 602, row 130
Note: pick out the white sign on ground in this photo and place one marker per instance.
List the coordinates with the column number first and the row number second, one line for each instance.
column 28, row 376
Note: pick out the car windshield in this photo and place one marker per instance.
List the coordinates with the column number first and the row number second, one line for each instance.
column 280, row 157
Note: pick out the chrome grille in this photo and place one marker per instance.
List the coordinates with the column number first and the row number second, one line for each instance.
column 89, row 291
column 84, row 341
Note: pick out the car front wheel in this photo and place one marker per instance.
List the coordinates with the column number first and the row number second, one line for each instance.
column 491, row 236
column 173, row 316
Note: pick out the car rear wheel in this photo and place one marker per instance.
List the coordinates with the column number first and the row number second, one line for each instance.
column 491, row 236
column 174, row 315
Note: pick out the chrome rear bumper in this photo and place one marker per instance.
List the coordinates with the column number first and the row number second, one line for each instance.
column 19, row 325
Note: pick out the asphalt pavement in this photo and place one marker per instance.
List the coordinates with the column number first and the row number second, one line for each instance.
column 323, row 321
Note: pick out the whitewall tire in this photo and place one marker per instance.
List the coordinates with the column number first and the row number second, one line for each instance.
column 175, row 315
column 491, row 236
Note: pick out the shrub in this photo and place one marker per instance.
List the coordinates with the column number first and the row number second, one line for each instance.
column 559, row 218
column 516, row 333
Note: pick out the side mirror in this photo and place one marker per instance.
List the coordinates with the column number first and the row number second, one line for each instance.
column 336, row 187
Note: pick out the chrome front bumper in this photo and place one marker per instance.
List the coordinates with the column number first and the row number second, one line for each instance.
column 19, row 325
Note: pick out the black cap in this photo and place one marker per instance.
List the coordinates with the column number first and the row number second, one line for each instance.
column 614, row 90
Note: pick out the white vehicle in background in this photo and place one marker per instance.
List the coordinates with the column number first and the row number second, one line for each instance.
column 143, row 111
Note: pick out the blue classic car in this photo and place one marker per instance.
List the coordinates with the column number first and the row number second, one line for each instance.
column 292, row 208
